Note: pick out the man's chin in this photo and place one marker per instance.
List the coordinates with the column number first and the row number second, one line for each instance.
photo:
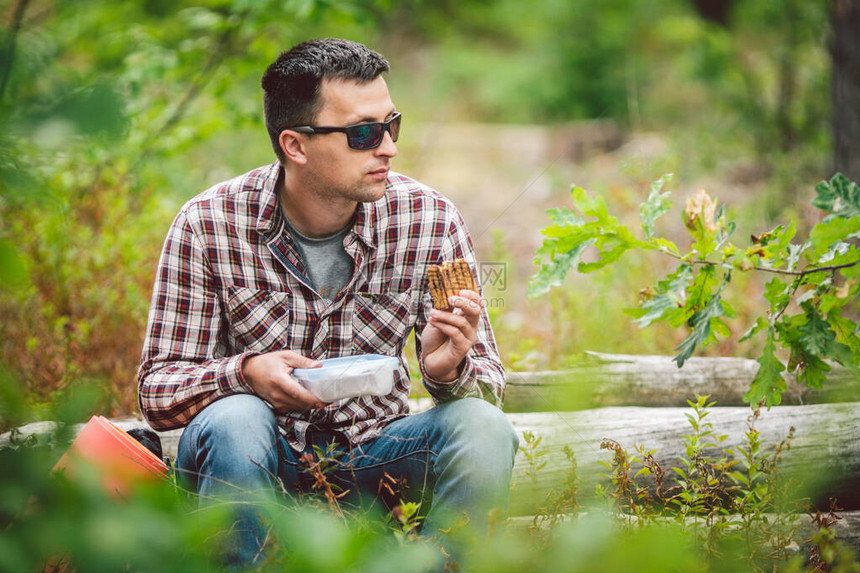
column 372, row 193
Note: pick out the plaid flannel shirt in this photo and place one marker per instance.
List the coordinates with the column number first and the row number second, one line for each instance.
column 230, row 284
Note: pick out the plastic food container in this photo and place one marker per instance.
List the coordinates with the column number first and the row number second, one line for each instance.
column 349, row 376
column 121, row 461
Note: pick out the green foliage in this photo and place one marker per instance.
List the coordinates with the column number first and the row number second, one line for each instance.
column 839, row 197
column 535, row 461
column 102, row 110
column 733, row 506
column 485, row 55
column 657, row 205
column 47, row 518
column 768, row 381
column 705, row 322
column 313, row 540
column 692, row 296
column 574, row 232
column 701, row 477
column 564, row 499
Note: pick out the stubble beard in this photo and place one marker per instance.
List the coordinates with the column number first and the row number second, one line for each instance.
column 361, row 192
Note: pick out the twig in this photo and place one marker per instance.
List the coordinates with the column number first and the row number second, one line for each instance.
column 314, row 467
column 806, row 271
column 803, row 273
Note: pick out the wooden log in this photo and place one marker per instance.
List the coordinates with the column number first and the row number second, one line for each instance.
column 628, row 380
column 169, row 439
column 824, row 454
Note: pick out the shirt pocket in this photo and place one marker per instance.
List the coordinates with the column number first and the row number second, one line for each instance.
column 382, row 322
column 260, row 320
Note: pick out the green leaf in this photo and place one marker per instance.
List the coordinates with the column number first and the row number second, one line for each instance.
column 852, row 272
column 719, row 327
column 724, row 235
column 700, row 292
column 571, row 234
column 842, row 254
column 611, row 245
column 552, row 272
column 831, row 232
column 565, row 217
column 814, row 372
column 840, row 197
column 670, row 295
column 700, row 323
column 760, row 324
column 591, row 206
column 729, row 310
column 664, row 245
column 846, row 332
column 768, row 384
column 777, row 294
column 816, row 335
column 657, row 205
column 775, row 246
column 793, row 255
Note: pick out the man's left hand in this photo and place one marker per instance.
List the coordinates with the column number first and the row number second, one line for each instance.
column 449, row 335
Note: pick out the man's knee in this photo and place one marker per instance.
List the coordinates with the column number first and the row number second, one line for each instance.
column 239, row 419
column 479, row 425
column 229, row 436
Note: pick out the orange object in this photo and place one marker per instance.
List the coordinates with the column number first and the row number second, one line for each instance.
column 121, row 461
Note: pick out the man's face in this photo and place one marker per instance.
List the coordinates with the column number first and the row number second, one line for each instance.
column 338, row 170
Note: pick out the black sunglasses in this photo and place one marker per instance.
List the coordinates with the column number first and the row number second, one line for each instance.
column 360, row 135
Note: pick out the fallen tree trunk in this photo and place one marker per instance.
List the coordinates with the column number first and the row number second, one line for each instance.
column 824, row 454
column 628, row 380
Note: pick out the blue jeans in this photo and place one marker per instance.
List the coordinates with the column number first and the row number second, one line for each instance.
column 456, row 457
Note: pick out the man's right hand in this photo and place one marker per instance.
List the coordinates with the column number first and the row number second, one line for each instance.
column 270, row 376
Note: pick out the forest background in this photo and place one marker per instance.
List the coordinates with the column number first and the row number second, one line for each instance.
column 113, row 114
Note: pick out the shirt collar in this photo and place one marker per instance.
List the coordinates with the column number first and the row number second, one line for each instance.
column 269, row 213
column 363, row 223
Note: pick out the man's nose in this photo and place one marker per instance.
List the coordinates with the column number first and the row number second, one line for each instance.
column 387, row 148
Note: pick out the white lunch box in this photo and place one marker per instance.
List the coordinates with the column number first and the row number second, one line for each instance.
column 349, row 376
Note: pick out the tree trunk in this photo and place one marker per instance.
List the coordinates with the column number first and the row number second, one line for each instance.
column 632, row 380
column 824, row 455
column 845, row 86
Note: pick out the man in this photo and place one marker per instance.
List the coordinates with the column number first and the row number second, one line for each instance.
column 320, row 255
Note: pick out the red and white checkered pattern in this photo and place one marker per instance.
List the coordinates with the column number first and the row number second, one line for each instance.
column 230, row 284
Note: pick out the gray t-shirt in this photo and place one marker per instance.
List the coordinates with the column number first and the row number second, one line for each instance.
column 328, row 266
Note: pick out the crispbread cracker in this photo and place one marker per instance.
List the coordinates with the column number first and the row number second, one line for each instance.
column 449, row 279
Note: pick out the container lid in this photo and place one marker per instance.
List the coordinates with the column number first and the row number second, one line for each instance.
column 348, row 366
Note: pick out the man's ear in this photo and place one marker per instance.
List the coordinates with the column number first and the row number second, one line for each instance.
column 293, row 145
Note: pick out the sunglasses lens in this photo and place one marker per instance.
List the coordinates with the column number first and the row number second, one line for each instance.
column 369, row 135
column 394, row 127
column 366, row 135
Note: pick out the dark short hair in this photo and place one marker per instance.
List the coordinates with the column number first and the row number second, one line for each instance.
column 291, row 85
